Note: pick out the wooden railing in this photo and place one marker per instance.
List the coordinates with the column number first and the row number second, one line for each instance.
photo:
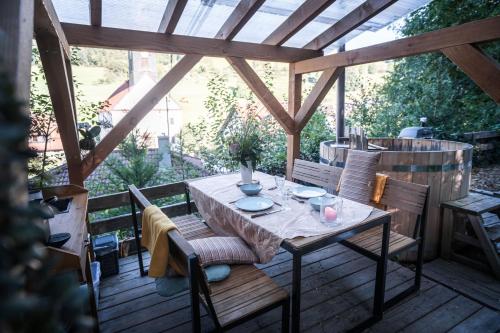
column 122, row 199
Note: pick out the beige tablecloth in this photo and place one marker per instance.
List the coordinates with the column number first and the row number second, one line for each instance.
column 264, row 234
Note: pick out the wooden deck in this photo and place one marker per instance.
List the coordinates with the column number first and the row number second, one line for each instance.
column 337, row 294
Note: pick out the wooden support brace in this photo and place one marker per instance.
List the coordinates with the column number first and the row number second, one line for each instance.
column 171, row 16
column 54, row 66
column 263, row 93
column 95, row 8
column 318, row 93
column 137, row 113
column 238, row 18
column 481, row 68
column 46, row 22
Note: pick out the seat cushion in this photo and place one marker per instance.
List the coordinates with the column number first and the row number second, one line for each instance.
column 358, row 177
column 223, row 250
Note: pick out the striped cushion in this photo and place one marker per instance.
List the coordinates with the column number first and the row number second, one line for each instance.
column 223, row 250
column 358, row 177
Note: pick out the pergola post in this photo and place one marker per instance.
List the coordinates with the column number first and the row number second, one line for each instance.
column 340, row 112
column 294, row 102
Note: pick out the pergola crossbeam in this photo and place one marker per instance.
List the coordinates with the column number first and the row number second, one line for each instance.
column 171, row 16
column 263, row 93
column 348, row 23
column 238, row 18
column 481, row 68
column 316, row 96
column 473, row 32
column 95, row 8
column 297, row 20
column 137, row 113
column 133, row 40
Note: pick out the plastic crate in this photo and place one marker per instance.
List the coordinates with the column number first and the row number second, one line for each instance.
column 106, row 253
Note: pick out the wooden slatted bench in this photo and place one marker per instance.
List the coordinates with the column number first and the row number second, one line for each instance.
column 474, row 222
column 245, row 294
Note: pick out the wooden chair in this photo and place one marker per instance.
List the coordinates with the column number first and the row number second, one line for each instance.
column 408, row 197
column 245, row 294
column 321, row 175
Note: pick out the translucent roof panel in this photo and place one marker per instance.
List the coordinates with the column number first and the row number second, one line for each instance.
column 203, row 18
column 72, row 11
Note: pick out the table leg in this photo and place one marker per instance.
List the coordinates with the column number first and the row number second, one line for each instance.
column 378, row 302
column 296, row 284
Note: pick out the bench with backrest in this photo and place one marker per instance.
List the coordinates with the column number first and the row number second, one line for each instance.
column 401, row 195
column 245, row 294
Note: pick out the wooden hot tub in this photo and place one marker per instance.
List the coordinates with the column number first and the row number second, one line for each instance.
column 444, row 165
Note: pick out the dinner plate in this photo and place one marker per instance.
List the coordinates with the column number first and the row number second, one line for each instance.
column 254, row 204
column 308, row 192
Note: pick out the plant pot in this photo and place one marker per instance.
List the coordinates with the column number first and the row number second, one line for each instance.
column 246, row 173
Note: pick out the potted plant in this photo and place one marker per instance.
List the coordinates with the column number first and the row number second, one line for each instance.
column 245, row 147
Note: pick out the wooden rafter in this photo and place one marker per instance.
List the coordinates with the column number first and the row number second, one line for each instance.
column 171, row 16
column 95, row 9
column 263, row 93
column 299, row 18
column 472, row 32
column 318, row 93
column 481, row 68
column 294, row 101
column 101, row 37
column 58, row 82
column 46, row 22
column 137, row 113
column 238, row 18
column 348, row 23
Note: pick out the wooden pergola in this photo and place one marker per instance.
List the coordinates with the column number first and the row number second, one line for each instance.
column 54, row 39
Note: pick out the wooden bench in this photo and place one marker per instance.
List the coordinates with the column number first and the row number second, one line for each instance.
column 473, row 223
column 245, row 294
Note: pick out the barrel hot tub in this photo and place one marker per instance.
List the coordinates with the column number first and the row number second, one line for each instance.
column 443, row 165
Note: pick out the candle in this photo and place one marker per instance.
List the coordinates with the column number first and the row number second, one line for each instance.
column 330, row 214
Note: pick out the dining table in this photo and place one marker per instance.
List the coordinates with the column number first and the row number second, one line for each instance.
column 290, row 224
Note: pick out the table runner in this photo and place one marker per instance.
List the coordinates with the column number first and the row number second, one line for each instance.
column 264, row 234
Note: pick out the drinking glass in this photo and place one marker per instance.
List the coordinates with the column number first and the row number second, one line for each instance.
column 280, row 182
column 286, row 194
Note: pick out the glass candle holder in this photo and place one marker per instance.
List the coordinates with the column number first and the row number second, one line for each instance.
column 330, row 211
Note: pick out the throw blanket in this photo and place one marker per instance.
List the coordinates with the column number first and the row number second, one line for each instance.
column 155, row 228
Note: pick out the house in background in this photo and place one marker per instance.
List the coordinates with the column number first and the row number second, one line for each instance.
column 165, row 120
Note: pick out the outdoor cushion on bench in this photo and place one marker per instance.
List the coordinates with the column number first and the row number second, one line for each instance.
column 223, row 250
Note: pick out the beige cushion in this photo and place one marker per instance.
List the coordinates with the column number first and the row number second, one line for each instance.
column 358, row 177
column 223, row 250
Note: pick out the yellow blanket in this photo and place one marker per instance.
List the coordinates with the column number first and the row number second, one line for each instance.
column 155, row 228
column 378, row 189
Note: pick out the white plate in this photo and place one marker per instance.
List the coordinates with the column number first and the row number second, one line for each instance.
column 254, row 204
column 307, row 192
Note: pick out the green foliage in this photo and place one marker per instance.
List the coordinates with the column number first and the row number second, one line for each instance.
column 430, row 85
column 245, row 142
column 33, row 298
column 133, row 165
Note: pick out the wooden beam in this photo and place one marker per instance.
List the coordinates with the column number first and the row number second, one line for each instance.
column 481, row 68
column 137, row 113
column 46, row 22
column 348, row 23
column 263, row 93
column 297, row 20
column 294, row 101
column 238, row 18
column 473, row 32
column 54, row 66
column 95, row 9
column 101, row 37
column 340, row 112
column 171, row 16
column 318, row 93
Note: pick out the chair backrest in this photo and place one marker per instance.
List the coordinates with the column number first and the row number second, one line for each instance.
column 322, row 175
column 184, row 254
column 408, row 197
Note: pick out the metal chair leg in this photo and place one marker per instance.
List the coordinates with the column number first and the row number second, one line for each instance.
column 285, row 316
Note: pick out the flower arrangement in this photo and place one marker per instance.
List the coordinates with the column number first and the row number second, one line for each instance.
column 245, row 144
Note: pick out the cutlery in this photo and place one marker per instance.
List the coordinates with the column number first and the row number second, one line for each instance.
column 232, row 202
column 266, row 213
column 272, row 188
column 297, row 199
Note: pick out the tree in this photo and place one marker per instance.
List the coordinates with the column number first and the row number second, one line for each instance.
column 430, row 85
